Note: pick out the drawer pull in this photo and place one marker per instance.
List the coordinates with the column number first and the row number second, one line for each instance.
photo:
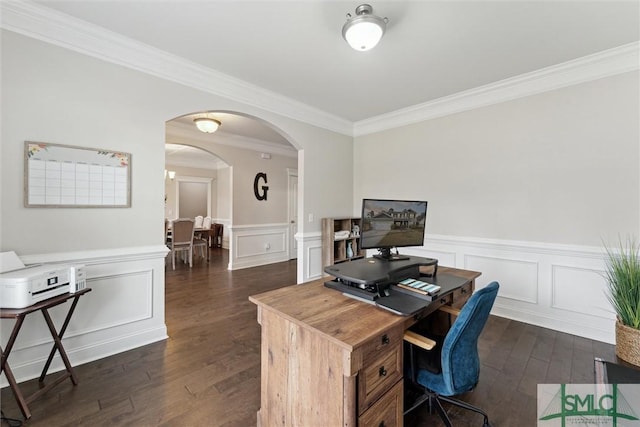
column 382, row 372
column 443, row 301
column 463, row 290
column 385, row 339
column 381, row 424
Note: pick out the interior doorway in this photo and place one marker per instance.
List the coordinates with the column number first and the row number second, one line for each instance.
column 257, row 230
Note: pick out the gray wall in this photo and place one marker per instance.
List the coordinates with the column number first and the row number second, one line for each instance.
column 558, row 167
column 51, row 94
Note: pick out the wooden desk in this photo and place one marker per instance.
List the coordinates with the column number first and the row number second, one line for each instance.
column 19, row 315
column 327, row 359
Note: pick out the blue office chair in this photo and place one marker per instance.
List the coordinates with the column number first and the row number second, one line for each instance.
column 458, row 369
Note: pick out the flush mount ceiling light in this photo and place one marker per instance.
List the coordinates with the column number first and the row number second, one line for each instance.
column 206, row 124
column 364, row 30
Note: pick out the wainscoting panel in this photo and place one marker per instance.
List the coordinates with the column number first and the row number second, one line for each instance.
column 560, row 287
column 580, row 290
column 519, row 279
column 124, row 310
column 550, row 285
column 258, row 245
column 309, row 256
column 315, row 269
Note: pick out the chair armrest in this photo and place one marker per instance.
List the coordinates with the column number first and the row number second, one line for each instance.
column 419, row 340
column 450, row 310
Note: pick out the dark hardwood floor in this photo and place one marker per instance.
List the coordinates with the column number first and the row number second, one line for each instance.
column 208, row 372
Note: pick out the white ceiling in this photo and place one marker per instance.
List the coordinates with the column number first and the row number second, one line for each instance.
column 431, row 49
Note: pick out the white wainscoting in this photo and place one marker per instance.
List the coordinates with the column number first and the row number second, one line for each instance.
column 260, row 244
column 561, row 287
column 309, row 256
column 124, row 310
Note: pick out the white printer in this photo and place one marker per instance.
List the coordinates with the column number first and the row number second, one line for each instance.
column 22, row 286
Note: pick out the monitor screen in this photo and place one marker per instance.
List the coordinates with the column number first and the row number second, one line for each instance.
column 390, row 224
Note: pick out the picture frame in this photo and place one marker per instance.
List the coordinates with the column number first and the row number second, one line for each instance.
column 65, row 176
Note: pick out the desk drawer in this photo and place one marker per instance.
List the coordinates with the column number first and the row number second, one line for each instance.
column 374, row 349
column 460, row 296
column 378, row 376
column 387, row 412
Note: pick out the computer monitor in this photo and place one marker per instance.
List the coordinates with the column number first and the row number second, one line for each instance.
column 388, row 224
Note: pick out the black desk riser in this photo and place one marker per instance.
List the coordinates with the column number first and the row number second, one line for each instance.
column 373, row 280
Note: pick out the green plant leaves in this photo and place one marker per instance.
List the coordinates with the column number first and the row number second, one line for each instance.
column 623, row 277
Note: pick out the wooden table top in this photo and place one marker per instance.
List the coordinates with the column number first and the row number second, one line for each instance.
column 344, row 320
column 12, row 313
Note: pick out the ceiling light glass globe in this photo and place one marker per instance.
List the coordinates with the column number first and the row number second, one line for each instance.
column 363, row 35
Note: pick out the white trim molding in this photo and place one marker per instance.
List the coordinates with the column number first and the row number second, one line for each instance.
column 124, row 310
column 610, row 62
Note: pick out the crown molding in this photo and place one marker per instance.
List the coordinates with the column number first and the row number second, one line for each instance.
column 607, row 63
column 178, row 133
column 57, row 28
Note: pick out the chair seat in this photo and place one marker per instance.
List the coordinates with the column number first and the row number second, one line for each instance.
column 435, row 382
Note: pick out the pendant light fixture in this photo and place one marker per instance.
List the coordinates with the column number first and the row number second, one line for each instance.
column 364, row 31
column 207, row 124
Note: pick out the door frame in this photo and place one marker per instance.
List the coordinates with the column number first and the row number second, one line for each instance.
column 292, row 217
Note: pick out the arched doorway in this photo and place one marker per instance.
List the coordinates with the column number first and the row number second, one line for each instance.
column 258, row 230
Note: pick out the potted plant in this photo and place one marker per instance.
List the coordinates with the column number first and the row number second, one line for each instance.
column 623, row 279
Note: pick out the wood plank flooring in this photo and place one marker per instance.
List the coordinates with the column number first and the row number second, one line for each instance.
column 208, row 372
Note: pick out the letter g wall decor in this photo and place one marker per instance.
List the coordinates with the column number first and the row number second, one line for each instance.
column 256, row 183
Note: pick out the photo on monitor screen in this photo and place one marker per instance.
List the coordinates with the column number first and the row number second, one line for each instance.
column 392, row 223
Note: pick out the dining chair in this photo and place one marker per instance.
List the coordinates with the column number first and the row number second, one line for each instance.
column 201, row 242
column 182, row 239
column 206, row 222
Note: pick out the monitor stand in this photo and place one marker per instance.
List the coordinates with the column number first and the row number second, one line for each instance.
column 385, row 254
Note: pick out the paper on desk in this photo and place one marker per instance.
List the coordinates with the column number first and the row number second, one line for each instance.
column 9, row 261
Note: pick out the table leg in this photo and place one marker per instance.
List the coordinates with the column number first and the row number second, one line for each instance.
column 4, row 366
column 57, row 338
column 58, row 342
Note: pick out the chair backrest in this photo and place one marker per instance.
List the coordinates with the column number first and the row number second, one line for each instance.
column 459, row 358
column 182, row 231
column 206, row 223
column 199, row 219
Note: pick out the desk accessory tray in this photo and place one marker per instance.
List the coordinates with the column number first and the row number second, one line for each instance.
column 419, row 288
